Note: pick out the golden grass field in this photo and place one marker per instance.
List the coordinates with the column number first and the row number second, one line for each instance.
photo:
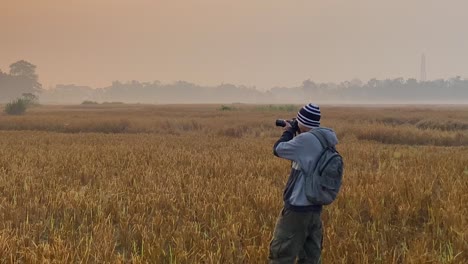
column 194, row 184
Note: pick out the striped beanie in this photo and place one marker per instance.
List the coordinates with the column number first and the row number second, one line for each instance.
column 309, row 116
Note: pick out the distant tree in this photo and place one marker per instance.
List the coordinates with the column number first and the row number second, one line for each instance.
column 116, row 84
column 23, row 68
column 411, row 82
column 21, row 79
column 373, row 83
column 30, row 98
column 309, row 86
column 356, row 82
column 26, row 70
column 89, row 102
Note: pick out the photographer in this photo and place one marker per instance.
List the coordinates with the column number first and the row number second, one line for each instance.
column 298, row 231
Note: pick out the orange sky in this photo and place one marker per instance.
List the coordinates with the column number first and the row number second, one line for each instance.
column 263, row 43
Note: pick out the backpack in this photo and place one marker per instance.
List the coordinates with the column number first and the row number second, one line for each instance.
column 323, row 183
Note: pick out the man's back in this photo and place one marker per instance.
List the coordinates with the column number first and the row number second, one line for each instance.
column 303, row 150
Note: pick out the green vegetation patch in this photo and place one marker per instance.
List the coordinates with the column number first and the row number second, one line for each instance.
column 282, row 108
column 17, row 107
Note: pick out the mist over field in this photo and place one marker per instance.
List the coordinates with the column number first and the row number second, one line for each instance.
column 410, row 91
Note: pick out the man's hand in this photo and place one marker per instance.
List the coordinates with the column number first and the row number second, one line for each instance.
column 287, row 126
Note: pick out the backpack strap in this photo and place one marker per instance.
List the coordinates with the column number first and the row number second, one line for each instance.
column 321, row 138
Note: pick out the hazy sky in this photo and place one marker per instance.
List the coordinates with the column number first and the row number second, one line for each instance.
column 264, row 43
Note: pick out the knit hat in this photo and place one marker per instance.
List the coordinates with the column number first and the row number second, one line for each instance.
column 309, row 116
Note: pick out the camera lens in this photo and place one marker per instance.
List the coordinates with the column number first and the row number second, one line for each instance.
column 280, row 123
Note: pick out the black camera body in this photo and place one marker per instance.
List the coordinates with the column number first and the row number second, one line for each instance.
column 292, row 122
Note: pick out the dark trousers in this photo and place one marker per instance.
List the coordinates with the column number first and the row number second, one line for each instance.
column 297, row 235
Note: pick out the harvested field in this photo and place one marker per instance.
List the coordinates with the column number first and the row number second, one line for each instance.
column 199, row 184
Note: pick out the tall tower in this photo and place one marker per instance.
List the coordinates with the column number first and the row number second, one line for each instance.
column 423, row 68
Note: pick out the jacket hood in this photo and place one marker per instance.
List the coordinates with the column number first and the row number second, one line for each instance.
column 329, row 134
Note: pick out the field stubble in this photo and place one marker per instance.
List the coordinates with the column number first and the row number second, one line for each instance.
column 193, row 184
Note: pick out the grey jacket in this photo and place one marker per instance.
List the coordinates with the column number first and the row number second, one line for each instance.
column 303, row 150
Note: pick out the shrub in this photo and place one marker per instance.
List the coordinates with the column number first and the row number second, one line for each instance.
column 113, row 103
column 17, row 107
column 284, row 108
column 88, row 102
column 444, row 125
column 226, row 108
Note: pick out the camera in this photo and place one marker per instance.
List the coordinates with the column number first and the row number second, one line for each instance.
column 292, row 122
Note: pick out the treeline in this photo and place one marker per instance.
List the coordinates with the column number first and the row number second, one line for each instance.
column 22, row 79
column 155, row 93
column 399, row 90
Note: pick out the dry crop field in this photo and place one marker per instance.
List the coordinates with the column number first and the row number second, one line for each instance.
column 197, row 184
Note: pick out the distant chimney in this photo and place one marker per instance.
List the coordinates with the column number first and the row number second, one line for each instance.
column 423, row 68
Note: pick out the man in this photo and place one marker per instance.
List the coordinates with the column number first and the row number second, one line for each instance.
column 298, row 231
